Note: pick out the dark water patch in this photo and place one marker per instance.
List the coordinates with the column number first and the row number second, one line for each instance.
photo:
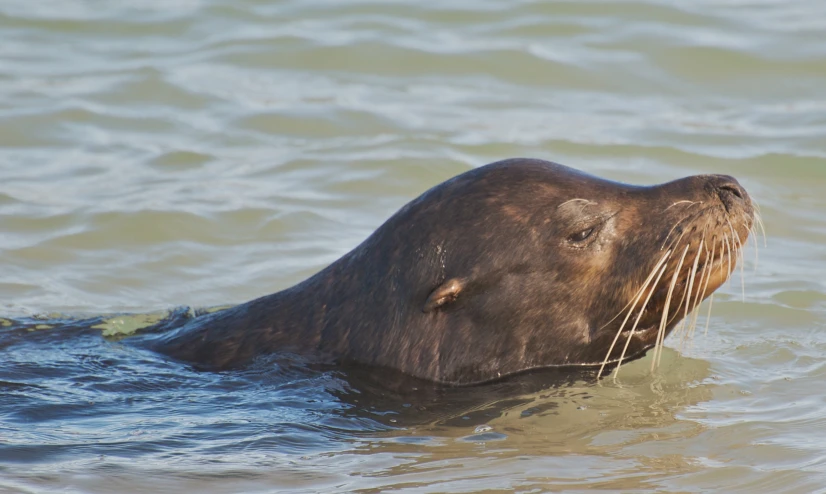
column 68, row 394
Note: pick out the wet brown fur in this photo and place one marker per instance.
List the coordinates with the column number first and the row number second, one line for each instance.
column 479, row 278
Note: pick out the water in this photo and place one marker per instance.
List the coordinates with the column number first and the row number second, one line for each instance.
column 201, row 153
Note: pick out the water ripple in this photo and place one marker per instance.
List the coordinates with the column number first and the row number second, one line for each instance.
column 205, row 152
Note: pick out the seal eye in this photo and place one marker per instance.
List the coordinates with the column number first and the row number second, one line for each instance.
column 582, row 235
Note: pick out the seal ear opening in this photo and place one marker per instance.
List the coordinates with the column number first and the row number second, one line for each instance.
column 443, row 294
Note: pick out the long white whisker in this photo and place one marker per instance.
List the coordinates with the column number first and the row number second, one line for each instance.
column 691, row 275
column 710, row 299
column 700, row 290
column 637, row 321
column 753, row 231
column 708, row 316
column 633, row 299
column 758, row 219
column 664, row 320
column 728, row 255
column 637, row 297
column 678, row 330
column 738, row 249
column 678, row 223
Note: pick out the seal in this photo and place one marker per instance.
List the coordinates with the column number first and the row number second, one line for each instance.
column 516, row 265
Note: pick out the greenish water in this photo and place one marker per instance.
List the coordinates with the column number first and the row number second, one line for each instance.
column 202, row 153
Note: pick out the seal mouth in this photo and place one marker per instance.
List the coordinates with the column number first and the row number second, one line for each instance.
column 699, row 260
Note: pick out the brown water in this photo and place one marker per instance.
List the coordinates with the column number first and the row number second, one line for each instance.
column 201, row 153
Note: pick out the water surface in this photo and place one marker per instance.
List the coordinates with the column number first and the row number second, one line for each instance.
column 200, row 153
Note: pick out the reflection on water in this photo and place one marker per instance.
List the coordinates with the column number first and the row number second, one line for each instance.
column 201, row 153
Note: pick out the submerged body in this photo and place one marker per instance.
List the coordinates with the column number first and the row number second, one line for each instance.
column 515, row 265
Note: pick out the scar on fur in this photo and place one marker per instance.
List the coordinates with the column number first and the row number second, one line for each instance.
column 690, row 203
column 585, row 201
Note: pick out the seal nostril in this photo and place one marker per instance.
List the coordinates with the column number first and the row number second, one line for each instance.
column 731, row 189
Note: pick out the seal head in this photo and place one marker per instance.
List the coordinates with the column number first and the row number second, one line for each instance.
column 516, row 265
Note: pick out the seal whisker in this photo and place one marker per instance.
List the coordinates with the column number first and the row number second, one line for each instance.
column 678, row 223
column 753, row 231
column 738, row 249
column 758, row 219
column 689, row 218
column 708, row 315
column 688, row 301
column 638, row 292
column 757, row 222
column 702, row 286
column 728, row 256
column 698, row 295
column 742, row 260
column 711, row 298
column 636, row 299
column 756, row 205
column 757, row 216
column 637, row 321
column 664, row 320
column 739, row 242
column 688, row 335
column 676, row 317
